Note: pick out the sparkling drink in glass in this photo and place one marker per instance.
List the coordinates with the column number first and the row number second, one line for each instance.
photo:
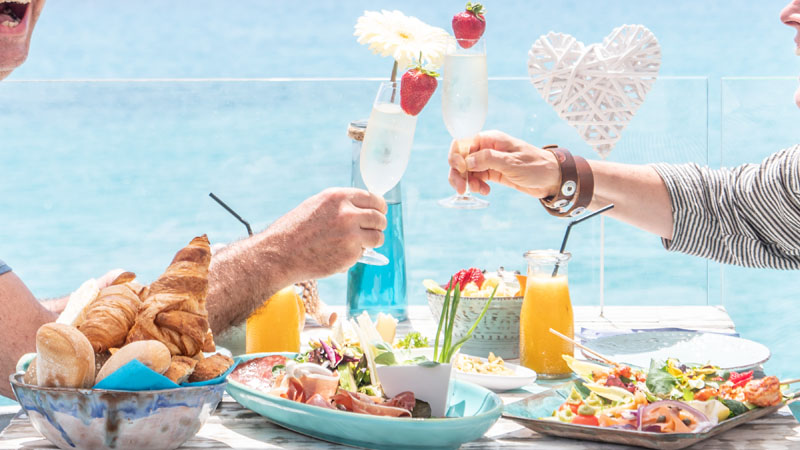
column 465, row 103
column 386, row 149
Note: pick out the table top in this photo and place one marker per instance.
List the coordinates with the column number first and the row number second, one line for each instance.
column 233, row 426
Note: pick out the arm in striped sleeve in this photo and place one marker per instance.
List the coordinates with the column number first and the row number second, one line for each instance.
column 748, row 215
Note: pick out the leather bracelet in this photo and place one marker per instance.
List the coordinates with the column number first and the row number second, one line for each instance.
column 585, row 187
column 568, row 183
column 576, row 185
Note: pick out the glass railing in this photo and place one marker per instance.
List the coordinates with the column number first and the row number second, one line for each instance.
column 108, row 174
column 759, row 117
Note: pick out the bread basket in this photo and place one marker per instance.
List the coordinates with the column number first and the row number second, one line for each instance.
column 98, row 418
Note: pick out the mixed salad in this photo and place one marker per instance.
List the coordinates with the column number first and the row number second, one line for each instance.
column 670, row 397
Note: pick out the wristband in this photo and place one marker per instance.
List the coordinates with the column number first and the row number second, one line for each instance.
column 576, row 184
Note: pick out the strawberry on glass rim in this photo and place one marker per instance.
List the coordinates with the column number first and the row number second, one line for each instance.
column 468, row 25
column 416, row 87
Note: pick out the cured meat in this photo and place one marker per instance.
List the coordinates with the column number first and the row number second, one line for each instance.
column 405, row 400
column 317, row 400
column 304, row 381
column 363, row 404
column 257, row 373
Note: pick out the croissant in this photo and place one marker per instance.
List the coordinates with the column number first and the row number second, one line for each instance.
column 106, row 320
column 174, row 309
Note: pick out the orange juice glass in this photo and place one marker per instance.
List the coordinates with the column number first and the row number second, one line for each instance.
column 276, row 326
column 546, row 305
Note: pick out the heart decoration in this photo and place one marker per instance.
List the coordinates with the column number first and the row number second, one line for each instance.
column 597, row 88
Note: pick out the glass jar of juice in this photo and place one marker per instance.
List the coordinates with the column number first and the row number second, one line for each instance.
column 546, row 305
column 276, row 326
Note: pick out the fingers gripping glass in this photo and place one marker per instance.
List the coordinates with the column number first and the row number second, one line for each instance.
column 386, row 149
column 465, row 103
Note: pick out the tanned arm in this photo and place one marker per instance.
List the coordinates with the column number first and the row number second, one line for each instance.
column 21, row 315
column 322, row 236
column 638, row 192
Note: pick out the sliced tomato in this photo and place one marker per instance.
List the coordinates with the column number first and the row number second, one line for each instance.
column 740, row 379
column 580, row 419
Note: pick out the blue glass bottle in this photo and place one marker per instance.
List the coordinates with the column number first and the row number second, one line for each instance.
column 377, row 289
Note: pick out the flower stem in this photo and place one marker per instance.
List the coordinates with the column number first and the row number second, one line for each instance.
column 394, row 78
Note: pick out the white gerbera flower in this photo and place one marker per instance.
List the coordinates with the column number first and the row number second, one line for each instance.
column 403, row 37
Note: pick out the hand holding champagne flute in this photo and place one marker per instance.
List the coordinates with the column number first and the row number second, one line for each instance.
column 386, row 149
column 465, row 103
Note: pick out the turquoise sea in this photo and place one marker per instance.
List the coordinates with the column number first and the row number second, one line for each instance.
column 126, row 116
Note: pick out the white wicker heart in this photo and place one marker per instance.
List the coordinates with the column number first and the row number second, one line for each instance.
column 596, row 88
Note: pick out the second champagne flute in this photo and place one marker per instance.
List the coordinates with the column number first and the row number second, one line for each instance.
column 465, row 103
column 386, row 149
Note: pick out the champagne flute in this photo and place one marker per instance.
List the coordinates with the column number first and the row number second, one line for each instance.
column 386, row 149
column 465, row 103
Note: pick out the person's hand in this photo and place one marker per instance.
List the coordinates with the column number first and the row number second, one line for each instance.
column 497, row 157
column 327, row 233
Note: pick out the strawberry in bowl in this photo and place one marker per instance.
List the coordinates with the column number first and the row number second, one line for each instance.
column 498, row 332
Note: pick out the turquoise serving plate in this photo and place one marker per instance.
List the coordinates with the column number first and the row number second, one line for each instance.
column 473, row 410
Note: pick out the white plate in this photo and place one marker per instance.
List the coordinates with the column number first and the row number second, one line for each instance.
column 522, row 377
column 727, row 352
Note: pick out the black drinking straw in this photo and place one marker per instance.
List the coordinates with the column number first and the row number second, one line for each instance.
column 579, row 220
column 249, row 231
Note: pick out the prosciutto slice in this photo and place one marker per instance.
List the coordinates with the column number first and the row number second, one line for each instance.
column 306, row 381
column 363, row 404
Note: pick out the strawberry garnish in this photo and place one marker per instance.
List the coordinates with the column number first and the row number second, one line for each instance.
column 416, row 88
column 468, row 25
column 466, row 276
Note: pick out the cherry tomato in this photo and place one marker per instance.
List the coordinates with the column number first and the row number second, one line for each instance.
column 585, row 420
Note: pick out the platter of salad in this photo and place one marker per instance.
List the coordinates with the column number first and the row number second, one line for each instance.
column 333, row 392
column 670, row 405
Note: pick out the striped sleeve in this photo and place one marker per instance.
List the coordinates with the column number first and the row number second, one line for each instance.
column 747, row 215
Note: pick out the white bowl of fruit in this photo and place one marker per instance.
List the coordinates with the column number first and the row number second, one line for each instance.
column 498, row 331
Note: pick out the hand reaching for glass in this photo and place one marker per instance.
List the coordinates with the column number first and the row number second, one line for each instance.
column 497, row 157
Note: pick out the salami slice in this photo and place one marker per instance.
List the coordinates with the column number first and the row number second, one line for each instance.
column 257, row 373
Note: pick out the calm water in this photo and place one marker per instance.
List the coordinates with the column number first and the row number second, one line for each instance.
column 116, row 174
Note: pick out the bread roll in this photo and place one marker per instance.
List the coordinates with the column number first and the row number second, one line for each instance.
column 180, row 369
column 152, row 354
column 30, row 374
column 210, row 368
column 65, row 357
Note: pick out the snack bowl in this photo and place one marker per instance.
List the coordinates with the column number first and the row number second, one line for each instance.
column 498, row 332
column 98, row 418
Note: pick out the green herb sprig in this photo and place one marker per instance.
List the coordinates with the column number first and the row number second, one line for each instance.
column 447, row 320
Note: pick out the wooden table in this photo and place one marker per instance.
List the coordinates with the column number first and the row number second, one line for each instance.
column 235, row 427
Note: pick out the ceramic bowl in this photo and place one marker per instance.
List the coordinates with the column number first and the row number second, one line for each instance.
column 97, row 418
column 498, row 332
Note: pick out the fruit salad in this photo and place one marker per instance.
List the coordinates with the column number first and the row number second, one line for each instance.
column 474, row 282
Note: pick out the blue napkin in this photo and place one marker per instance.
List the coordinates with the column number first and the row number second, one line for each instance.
column 135, row 376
